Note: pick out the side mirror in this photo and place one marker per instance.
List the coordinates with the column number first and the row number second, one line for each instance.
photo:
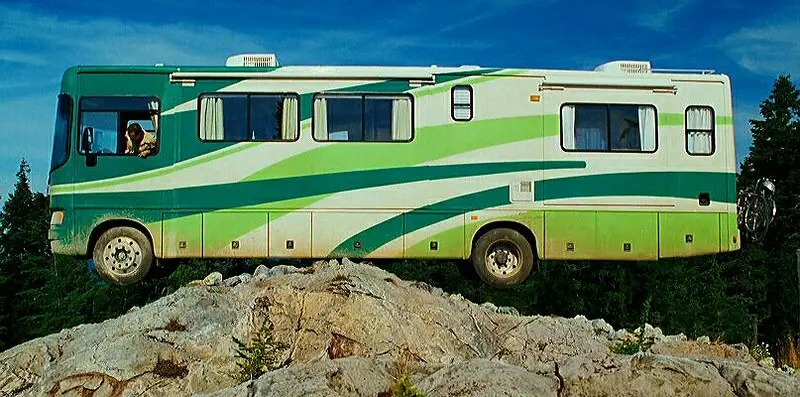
column 87, row 137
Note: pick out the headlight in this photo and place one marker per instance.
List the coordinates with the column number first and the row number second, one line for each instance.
column 57, row 217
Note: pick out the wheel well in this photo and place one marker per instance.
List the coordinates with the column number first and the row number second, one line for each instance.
column 522, row 229
column 104, row 226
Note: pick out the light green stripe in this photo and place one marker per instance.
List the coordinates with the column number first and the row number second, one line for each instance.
column 670, row 119
column 431, row 143
column 677, row 120
column 236, row 230
column 445, row 238
column 155, row 173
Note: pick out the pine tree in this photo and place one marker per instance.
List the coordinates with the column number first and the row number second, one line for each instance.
column 775, row 154
column 24, row 252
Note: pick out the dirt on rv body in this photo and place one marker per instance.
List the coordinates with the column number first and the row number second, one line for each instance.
column 351, row 329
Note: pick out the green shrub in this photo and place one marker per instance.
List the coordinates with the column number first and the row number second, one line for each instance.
column 260, row 355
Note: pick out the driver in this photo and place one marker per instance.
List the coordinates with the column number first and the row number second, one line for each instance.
column 140, row 142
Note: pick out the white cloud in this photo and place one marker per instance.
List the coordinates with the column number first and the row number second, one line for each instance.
column 656, row 16
column 111, row 41
column 42, row 37
column 768, row 48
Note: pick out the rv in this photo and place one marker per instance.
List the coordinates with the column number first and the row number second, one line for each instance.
column 500, row 167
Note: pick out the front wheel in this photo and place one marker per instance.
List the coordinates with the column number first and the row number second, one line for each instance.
column 123, row 255
column 503, row 258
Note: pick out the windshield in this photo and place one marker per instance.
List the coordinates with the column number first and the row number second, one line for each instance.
column 61, row 134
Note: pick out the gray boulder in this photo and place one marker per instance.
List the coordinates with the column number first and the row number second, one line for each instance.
column 340, row 328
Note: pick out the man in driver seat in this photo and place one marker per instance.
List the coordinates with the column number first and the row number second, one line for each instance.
column 140, row 142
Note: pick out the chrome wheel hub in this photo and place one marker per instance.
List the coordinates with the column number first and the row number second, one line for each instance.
column 122, row 255
column 503, row 260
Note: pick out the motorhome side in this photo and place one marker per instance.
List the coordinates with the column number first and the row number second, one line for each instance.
column 501, row 166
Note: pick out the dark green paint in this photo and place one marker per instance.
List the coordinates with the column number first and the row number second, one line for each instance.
column 720, row 186
column 378, row 235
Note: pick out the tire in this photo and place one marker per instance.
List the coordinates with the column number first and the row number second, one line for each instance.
column 123, row 255
column 488, row 263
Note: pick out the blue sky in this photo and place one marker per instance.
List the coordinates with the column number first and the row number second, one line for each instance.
column 750, row 41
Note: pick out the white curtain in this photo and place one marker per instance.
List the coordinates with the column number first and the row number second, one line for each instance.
column 289, row 130
column 401, row 119
column 568, row 126
column 320, row 119
column 590, row 138
column 699, row 127
column 153, row 107
column 211, row 127
column 647, row 128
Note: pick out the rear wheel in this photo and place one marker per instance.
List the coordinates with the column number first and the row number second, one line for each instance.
column 123, row 255
column 503, row 258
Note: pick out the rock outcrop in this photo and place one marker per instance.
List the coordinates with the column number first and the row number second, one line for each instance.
column 350, row 329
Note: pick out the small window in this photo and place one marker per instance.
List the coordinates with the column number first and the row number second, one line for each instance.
column 608, row 128
column 700, row 130
column 461, row 102
column 363, row 118
column 231, row 117
column 119, row 126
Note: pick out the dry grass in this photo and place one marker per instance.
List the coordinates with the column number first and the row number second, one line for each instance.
column 170, row 369
column 789, row 353
column 173, row 325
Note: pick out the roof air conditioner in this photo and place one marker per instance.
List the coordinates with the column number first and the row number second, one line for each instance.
column 626, row 67
column 253, row 60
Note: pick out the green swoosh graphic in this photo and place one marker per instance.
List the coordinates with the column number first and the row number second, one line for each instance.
column 378, row 235
column 241, row 194
column 720, row 185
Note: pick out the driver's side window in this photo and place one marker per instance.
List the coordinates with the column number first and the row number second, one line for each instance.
column 119, row 126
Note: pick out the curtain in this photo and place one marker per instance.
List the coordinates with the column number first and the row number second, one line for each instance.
column 699, row 127
column 320, row 119
column 289, row 131
column 153, row 107
column 568, row 126
column 647, row 128
column 211, row 127
column 401, row 119
column 590, row 138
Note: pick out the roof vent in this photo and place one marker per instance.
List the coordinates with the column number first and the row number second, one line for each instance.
column 626, row 67
column 253, row 60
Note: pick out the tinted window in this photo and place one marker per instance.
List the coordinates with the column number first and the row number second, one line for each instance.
column 591, row 128
column 266, row 113
column 61, row 133
column 601, row 127
column 345, row 119
column 248, row 117
column 378, row 119
column 359, row 118
column 624, row 122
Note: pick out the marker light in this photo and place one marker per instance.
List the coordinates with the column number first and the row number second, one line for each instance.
column 57, row 218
